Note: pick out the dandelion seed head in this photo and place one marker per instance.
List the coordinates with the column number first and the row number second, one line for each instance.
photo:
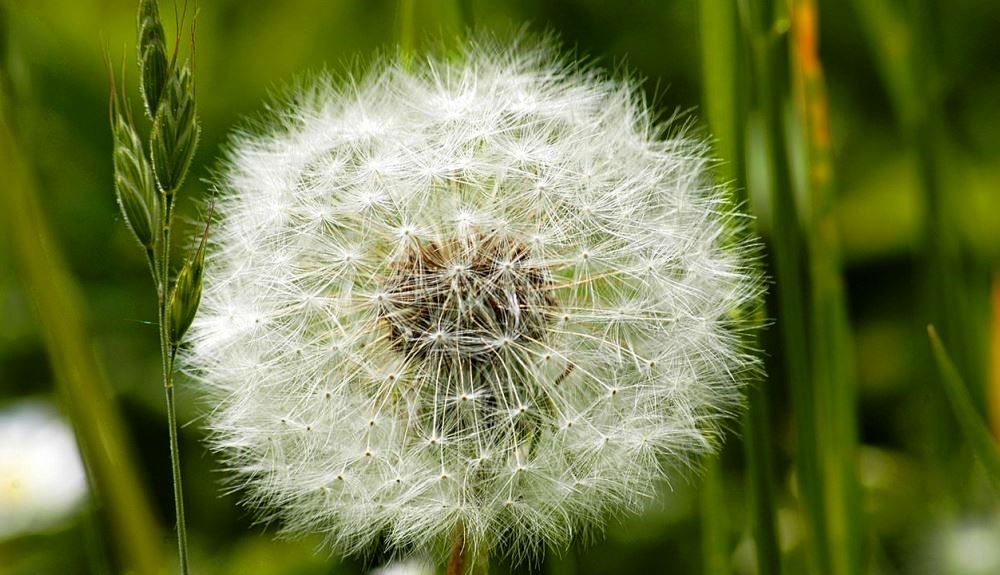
column 486, row 293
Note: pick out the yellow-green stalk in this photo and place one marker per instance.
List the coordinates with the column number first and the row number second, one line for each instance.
column 831, row 342
column 80, row 381
column 767, row 23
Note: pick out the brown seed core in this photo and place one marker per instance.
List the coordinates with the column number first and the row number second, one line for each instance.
column 467, row 297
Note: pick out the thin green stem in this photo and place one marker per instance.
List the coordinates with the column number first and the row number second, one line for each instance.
column 993, row 409
column 178, row 487
column 161, row 275
column 420, row 21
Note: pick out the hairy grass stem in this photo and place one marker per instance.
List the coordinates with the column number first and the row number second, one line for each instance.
column 147, row 188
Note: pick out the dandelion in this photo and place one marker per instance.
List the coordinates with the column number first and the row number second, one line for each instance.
column 482, row 302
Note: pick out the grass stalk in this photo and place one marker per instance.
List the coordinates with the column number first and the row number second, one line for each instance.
column 167, row 353
column 760, row 467
column 80, row 382
column 168, row 91
column 419, row 21
column 902, row 40
column 726, row 102
column 832, row 357
column 974, row 430
column 407, row 26
column 714, row 525
column 766, row 31
column 994, row 408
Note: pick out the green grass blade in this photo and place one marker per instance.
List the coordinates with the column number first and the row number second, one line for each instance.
column 726, row 97
column 82, row 389
column 970, row 422
column 904, row 44
column 994, row 337
column 756, row 429
column 766, row 25
column 714, row 524
column 831, row 344
column 407, row 27
column 418, row 21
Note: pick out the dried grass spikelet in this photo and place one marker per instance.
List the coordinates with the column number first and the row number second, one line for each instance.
column 486, row 293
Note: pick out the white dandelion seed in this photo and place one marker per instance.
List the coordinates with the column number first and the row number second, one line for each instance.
column 486, row 294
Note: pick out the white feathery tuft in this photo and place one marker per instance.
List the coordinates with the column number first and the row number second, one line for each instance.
column 485, row 294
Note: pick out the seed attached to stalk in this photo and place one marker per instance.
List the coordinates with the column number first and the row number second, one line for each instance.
column 134, row 187
column 175, row 131
column 186, row 295
column 152, row 49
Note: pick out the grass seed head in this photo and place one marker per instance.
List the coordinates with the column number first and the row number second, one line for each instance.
column 186, row 295
column 174, row 137
column 134, row 187
column 152, row 48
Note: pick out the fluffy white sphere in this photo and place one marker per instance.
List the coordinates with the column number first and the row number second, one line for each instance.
column 484, row 296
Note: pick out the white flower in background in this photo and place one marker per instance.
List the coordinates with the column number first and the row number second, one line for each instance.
column 967, row 548
column 407, row 567
column 485, row 297
column 42, row 478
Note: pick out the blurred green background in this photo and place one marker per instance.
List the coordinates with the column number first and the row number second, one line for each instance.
column 926, row 506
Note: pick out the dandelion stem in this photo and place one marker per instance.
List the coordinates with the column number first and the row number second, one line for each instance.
column 760, row 467
column 457, row 559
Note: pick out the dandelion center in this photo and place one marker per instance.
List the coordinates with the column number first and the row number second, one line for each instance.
column 467, row 297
